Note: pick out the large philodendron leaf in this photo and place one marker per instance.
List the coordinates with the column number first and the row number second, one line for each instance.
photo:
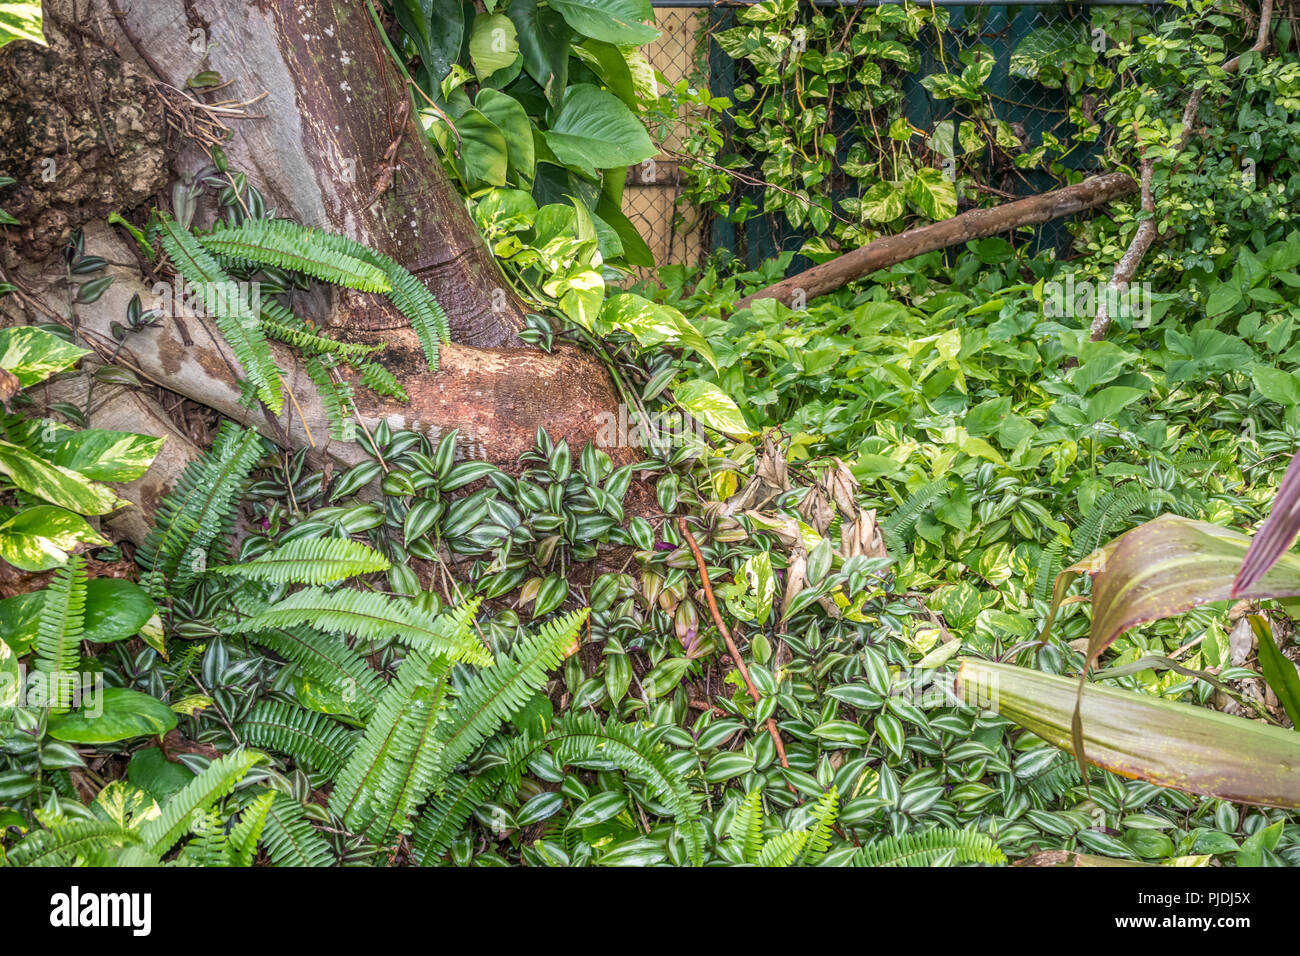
column 1163, row 568
column 1146, row 738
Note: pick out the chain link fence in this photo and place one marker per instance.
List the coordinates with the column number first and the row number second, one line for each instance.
column 1025, row 41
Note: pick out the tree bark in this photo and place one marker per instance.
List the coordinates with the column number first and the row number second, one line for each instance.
column 891, row 250
column 334, row 146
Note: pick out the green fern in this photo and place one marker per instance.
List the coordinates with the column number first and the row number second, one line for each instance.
column 282, row 244
column 85, row 841
column 1107, row 514
column 902, row 521
column 240, row 327
column 198, row 509
column 824, row 815
column 281, row 324
column 369, row 616
column 394, row 765
column 335, row 397
column 495, row 694
column 330, row 660
column 782, row 849
column 747, row 826
column 1049, row 565
column 268, row 237
column 58, row 636
column 408, row 294
column 247, row 833
column 289, row 839
column 582, row 741
column 314, row 561
column 312, row 739
column 930, row 849
column 220, row 777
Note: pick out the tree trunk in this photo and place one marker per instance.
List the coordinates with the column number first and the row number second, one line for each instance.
column 333, row 146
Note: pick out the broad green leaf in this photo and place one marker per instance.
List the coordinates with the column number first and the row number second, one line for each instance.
column 39, row 538
column 20, row 21
column 20, row 620
column 1277, row 385
column 594, row 130
column 1169, row 744
column 1112, row 400
column 711, row 406
column 56, row 484
column 1278, row 669
column 438, row 29
column 544, row 42
column 505, row 113
column 933, row 194
column 883, row 202
column 111, row 714
column 653, row 324
column 483, row 150
column 107, row 455
column 116, row 609
column 621, row 22
column 33, row 354
column 493, row 43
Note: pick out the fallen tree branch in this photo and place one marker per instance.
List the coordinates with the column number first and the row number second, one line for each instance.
column 1128, row 263
column 975, row 224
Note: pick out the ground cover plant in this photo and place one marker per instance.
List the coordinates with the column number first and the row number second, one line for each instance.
column 844, row 581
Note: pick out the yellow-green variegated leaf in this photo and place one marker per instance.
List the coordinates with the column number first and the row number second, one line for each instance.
column 39, row 538
column 58, row 485
column 1145, row 738
column 21, row 21
column 711, row 406
column 33, row 354
column 651, row 324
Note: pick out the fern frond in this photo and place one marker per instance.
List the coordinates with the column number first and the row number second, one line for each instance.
column 378, row 379
column 582, row 740
column 782, row 849
column 289, row 838
column 747, row 826
column 282, row 244
column 408, row 294
column 209, row 845
column 335, row 398
column 927, row 849
column 330, row 660
column 1107, row 513
column 234, row 317
column 313, row 740
column 902, row 521
column 245, row 834
column 496, row 693
column 88, row 841
column 369, row 616
column 220, row 777
column 446, row 813
column 395, row 764
column 1049, row 565
column 58, row 636
column 279, row 323
column 196, row 511
column 312, row 561
column 824, row 815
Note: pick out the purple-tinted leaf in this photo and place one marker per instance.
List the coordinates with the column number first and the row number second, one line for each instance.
column 1276, row 534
